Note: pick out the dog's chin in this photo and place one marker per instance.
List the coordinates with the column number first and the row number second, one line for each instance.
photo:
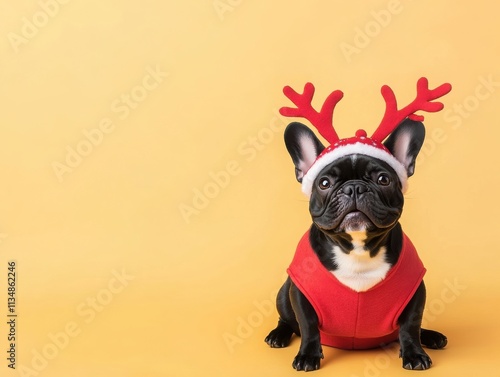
column 355, row 221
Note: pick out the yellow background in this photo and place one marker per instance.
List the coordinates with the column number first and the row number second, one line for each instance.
column 200, row 284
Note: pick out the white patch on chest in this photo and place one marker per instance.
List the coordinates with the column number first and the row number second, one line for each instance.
column 357, row 269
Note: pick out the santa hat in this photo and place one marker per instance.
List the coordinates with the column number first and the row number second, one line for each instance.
column 360, row 143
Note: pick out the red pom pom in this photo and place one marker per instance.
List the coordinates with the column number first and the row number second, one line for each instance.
column 360, row 133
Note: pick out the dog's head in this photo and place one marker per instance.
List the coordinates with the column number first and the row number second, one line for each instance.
column 357, row 184
column 356, row 192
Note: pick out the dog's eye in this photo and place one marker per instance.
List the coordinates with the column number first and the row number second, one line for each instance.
column 383, row 180
column 324, row 183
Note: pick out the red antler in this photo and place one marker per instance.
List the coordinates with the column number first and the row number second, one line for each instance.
column 322, row 120
column 423, row 101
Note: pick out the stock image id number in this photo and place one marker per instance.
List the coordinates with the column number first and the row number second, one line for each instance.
column 11, row 290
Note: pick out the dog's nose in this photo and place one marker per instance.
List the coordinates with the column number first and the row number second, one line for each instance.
column 354, row 189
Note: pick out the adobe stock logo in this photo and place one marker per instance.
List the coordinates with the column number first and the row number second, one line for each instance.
column 458, row 113
column 31, row 26
column 246, row 325
column 372, row 29
column 123, row 107
column 220, row 179
column 223, row 6
column 87, row 312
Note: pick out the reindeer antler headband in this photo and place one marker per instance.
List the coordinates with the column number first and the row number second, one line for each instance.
column 372, row 146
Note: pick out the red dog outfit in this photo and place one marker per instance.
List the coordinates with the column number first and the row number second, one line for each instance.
column 350, row 319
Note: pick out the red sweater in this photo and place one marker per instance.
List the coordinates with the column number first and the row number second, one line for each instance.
column 350, row 319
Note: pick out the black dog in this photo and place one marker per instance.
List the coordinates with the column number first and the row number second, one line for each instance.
column 355, row 204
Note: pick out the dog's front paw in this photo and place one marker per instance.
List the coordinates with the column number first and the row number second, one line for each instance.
column 278, row 338
column 416, row 360
column 433, row 339
column 306, row 362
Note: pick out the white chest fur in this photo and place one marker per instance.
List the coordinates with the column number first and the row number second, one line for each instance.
column 357, row 269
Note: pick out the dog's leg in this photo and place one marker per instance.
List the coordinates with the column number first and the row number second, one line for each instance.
column 310, row 352
column 287, row 325
column 412, row 353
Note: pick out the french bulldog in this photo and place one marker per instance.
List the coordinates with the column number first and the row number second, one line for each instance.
column 355, row 203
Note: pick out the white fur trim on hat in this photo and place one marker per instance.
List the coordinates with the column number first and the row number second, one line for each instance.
column 356, row 148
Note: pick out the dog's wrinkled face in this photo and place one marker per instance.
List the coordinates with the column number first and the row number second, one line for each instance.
column 356, row 193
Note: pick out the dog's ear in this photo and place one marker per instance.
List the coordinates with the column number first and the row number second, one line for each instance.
column 303, row 147
column 405, row 142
